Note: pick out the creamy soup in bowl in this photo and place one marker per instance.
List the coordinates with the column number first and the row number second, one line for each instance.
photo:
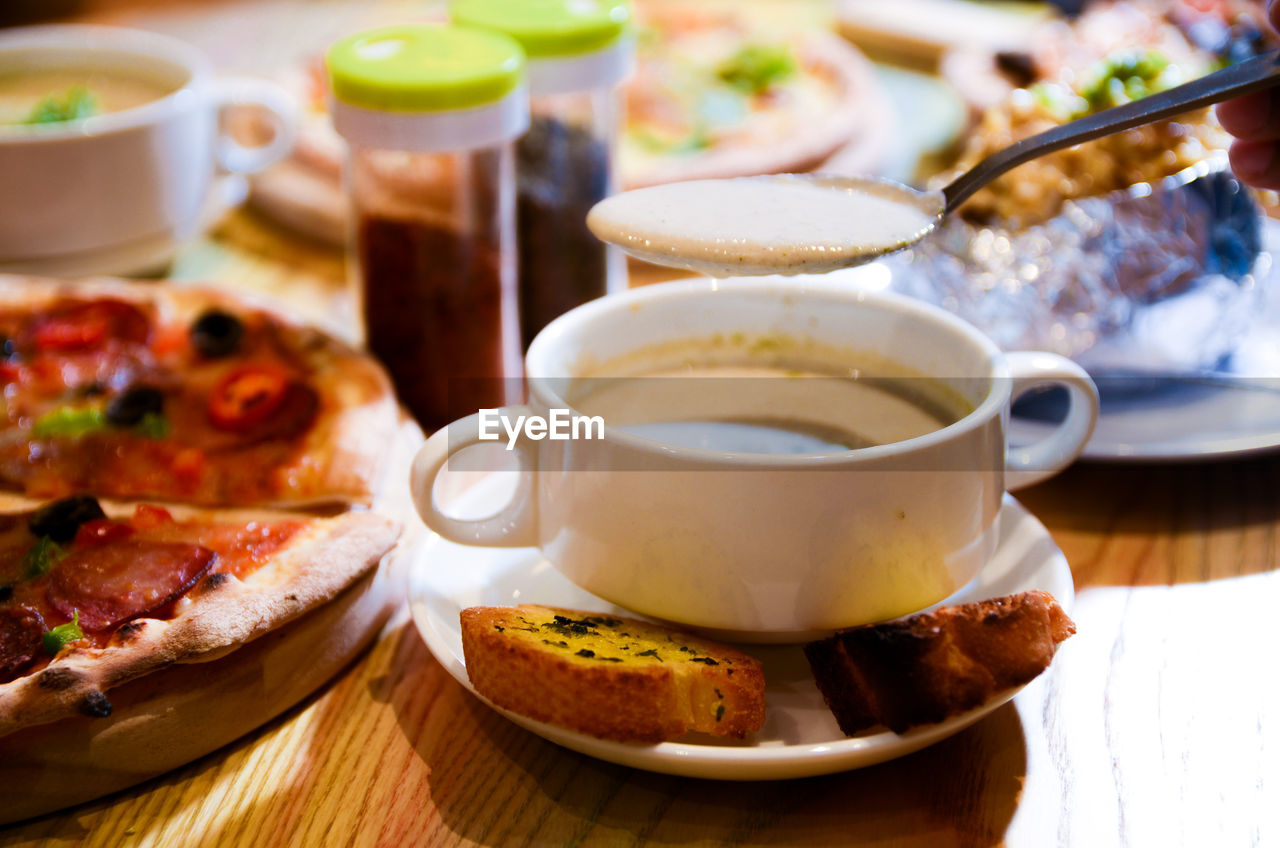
column 111, row 147
column 59, row 95
column 95, row 80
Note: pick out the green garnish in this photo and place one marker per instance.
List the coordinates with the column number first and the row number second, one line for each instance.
column 757, row 68
column 719, row 711
column 58, row 638
column 152, row 426
column 1118, row 79
column 71, row 105
column 71, row 422
column 1127, row 76
column 37, row 561
column 68, row 422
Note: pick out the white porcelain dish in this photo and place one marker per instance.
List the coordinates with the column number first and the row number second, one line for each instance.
column 800, row 737
column 1217, row 415
column 118, row 192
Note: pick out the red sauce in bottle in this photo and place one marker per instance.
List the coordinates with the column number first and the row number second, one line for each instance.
column 433, row 316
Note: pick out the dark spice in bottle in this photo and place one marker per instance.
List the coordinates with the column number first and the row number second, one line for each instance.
column 562, row 171
column 433, row 316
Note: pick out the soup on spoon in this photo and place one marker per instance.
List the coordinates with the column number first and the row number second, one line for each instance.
column 779, row 224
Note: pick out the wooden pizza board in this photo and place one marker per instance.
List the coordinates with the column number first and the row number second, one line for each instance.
column 167, row 719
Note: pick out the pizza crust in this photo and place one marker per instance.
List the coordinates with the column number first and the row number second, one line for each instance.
column 185, row 711
column 175, row 711
column 306, row 200
column 342, row 458
column 216, row 617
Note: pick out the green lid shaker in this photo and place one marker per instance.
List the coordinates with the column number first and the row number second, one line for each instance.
column 430, row 113
column 579, row 51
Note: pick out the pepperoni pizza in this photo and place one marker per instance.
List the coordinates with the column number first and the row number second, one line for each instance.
column 92, row 601
column 187, row 472
column 184, row 394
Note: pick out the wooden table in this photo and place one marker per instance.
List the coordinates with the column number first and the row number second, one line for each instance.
column 1155, row 726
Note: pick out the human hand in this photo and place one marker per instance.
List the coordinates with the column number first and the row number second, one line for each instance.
column 1254, row 120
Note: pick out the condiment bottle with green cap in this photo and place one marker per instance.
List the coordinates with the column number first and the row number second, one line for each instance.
column 579, row 51
column 430, row 113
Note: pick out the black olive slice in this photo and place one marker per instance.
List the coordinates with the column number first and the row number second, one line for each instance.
column 216, row 333
column 1017, row 67
column 61, row 519
column 126, row 410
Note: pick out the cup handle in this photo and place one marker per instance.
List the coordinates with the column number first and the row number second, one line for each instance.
column 279, row 104
column 1040, row 460
column 513, row 526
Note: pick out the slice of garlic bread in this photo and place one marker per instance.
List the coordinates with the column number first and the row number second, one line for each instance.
column 611, row 677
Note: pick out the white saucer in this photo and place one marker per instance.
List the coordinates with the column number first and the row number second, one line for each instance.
column 800, row 737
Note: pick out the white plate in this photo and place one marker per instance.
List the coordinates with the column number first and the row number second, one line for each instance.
column 1220, row 414
column 1232, row 412
column 800, row 737
column 1217, row 415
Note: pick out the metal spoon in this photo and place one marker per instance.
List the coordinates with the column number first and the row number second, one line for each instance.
column 809, row 223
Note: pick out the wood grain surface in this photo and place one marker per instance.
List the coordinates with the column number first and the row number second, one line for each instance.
column 1155, row 726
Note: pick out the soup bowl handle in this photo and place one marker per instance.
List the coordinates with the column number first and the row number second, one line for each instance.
column 283, row 119
column 514, row 525
column 1029, row 464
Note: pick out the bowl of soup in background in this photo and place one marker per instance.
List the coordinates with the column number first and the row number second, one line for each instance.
column 129, row 173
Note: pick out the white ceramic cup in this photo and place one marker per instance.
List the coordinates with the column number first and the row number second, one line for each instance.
column 125, row 186
column 768, row 547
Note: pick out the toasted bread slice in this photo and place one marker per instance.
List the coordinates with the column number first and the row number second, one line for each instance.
column 926, row 668
column 615, row 678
